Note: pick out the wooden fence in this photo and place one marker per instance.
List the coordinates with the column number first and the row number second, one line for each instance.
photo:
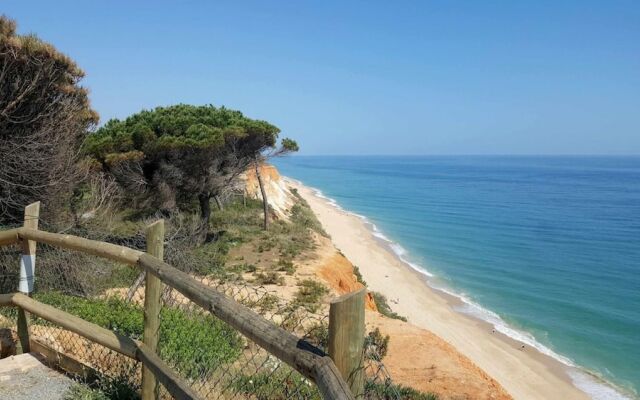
column 335, row 380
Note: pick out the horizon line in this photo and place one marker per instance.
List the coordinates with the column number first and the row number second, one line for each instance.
column 469, row 155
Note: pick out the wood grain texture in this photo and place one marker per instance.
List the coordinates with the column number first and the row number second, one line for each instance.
column 9, row 237
column 31, row 217
column 346, row 338
column 152, row 307
column 27, row 275
column 96, row 248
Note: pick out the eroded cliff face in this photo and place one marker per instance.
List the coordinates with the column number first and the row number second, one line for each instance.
column 279, row 195
column 337, row 272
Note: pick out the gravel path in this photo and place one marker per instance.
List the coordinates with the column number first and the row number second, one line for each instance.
column 25, row 377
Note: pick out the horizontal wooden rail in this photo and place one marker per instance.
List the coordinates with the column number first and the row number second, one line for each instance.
column 175, row 385
column 9, row 237
column 101, row 249
column 307, row 359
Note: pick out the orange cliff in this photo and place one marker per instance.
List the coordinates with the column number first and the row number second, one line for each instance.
column 337, row 271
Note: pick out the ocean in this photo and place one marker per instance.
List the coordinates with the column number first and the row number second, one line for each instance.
column 545, row 248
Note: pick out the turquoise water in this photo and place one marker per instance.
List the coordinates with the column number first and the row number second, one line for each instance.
column 551, row 245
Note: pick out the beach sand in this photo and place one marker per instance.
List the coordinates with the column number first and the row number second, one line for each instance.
column 524, row 373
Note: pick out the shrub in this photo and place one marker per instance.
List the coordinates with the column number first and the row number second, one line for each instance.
column 388, row 391
column 83, row 392
column 104, row 388
column 356, row 272
column 268, row 302
column 376, row 345
column 285, row 265
column 309, row 294
column 279, row 385
column 384, row 308
column 318, row 335
column 45, row 115
column 270, row 278
column 302, row 215
column 194, row 344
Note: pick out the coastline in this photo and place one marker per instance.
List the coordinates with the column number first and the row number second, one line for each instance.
column 525, row 373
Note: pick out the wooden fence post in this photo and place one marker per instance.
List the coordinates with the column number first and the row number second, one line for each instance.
column 152, row 307
column 346, row 338
column 27, row 272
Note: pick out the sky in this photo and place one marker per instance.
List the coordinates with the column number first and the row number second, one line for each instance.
column 369, row 77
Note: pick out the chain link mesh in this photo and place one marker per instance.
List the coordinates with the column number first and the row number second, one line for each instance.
column 217, row 361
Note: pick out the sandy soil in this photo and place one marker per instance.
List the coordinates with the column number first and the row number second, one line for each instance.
column 524, row 373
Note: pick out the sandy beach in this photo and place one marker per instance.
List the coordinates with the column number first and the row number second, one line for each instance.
column 524, row 373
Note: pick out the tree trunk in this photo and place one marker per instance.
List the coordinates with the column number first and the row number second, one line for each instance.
column 265, row 203
column 218, row 202
column 205, row 209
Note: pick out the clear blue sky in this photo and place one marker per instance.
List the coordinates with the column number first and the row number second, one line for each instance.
column 370, row 77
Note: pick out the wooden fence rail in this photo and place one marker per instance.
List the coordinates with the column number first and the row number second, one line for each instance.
column 175, row 385
column 307, row 359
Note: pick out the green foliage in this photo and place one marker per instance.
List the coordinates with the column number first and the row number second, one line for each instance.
column 302, row 215
column 384, row 308
column 240, row 224
column 389, row 391
column 279, row 385
column 376, row 344
column 215, row 253
column 180, row 126
column 268, row 302
column 356, row 272
column 45, row 114
column 84, row 392
column 318, row 335
column 286, row 265
column 194, row 344
column 290, row 145
column 113, row 313
column 181, row 153
column 105, row 388
column 270, row 278
column 309, row 294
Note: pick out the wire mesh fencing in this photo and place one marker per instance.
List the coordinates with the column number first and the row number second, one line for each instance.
column 216, row 360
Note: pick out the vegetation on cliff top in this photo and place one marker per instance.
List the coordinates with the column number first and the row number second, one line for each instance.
column 44, row 115
column 169, row 157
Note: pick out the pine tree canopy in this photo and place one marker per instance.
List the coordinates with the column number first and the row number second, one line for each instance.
column 170, row 156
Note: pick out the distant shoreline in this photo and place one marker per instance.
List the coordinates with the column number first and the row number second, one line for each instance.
column 525, row 373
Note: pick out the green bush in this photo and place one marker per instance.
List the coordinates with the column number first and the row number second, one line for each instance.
column 376, row 345
column 384, row 308
column 113, row 313
column 270, row 278
column 83, row 392
column 279, row 385
column 194, row 344
column 356, row 272
column 286, row 265
column 302, row 215
column 104, row 388
column 309, row 294
column 389, row 391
